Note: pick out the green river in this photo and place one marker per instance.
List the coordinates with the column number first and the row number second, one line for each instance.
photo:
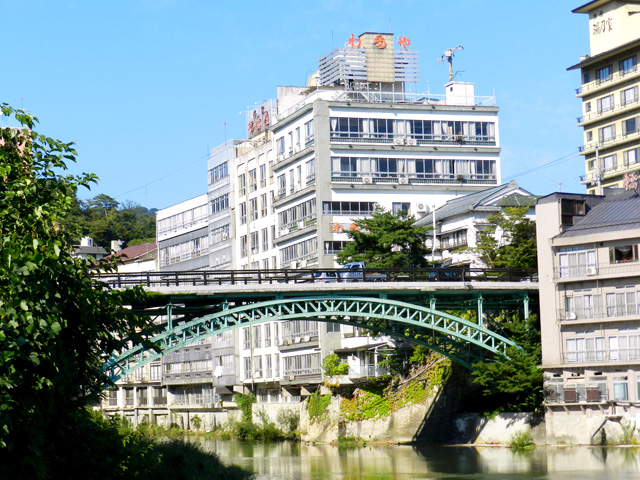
column 289, row 461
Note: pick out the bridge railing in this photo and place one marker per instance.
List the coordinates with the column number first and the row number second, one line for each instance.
column 294, row 276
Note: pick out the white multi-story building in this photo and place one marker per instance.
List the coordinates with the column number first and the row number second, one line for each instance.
column 318, row 157
column 357, row 136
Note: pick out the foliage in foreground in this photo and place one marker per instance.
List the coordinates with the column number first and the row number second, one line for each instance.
column 514, row 384
column 55, row 325
column 522, row 441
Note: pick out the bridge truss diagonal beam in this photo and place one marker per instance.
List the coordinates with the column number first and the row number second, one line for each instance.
column 461, row 340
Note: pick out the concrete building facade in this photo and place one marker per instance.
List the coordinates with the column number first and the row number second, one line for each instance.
column 610, row 94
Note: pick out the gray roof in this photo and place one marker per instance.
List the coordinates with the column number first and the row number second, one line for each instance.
column 617, row 212
column 478, row 201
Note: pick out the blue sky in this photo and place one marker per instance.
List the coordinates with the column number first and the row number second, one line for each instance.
column 145, row 87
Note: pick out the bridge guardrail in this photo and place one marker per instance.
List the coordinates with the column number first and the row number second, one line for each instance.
column 289, row 276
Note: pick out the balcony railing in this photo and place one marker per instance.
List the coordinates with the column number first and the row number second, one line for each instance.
column 602, row 356
column 609, row 142
column 160, row 400
column 602, row 83
column 366, row 371
column 573, row 395
column 614, row 109
column 413, row 140
column 587, row 313
column 576, row 271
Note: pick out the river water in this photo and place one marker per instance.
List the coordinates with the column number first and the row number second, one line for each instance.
column 294, row 461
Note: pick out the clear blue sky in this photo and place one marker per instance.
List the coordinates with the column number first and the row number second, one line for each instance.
column 145, row 87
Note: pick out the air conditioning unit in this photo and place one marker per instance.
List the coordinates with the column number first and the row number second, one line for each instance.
column 398, row 141
column 291, row 378
column 367, row 180
column 459, row 177
column 403, row 180
column 422, row 208
column 459, row 138
column 591, row 270
column 411, row 141
column 571, row 316
column 276, row 198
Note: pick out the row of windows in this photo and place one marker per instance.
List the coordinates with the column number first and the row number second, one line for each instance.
column 348, row 208
column 418, row 129
column 608, row 133
column 183, row 251
column 589, row 349
column 299, row 251
column 183, row 220
column 607, row 103
column 610, row 162
column 218, row 172
column 623, row 302
column 294, row 139
column 271, row 365
column 584, row 262
column 220, row 203
column 220, row 234
column 296, row 179
column 303, row 211
column 257, row 333
column 604, row 74
column 413, row 167
column 193, row 366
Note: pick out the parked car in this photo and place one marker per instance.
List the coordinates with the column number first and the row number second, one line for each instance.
column 355, row 272
column 325, row 277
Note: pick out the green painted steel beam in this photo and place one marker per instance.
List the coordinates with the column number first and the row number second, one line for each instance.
column 462, row 341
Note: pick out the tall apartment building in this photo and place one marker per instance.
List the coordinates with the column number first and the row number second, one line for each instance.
column 589, row 272
column 609, row 92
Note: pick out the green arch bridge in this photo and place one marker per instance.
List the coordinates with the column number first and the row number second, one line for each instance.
column 189, row 307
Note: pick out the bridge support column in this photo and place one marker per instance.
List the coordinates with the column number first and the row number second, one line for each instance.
column 169, row 318
column 480, row 312
column 525, row 303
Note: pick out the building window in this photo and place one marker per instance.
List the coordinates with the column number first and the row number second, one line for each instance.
column 333, row 327
column 398, row 207
column 628, row 65
column 267, row 335
column 265, row 239
column 257, row 336
column 220, row 234
column 268, row 370
column 243, row 213
column 577, row 264
column 591, row 164
column 607, row 133
column 605, row 104
column 282, row 185
column 630, row 126
column 220, row 203
column 586, row 349
column 603, row 74
column 628, row 96
column 620, row 389
column 243, row 246
column 624, row 348
column 242, row 185
column 332, row 247
column 263, row 176
column 255, row 246
column 247, row 368
column 280, row 147
column 253, row 180
column 586, row 77
column 308, row 132
column 623, row 253
column 589, row 136
column 583, row 306
column 610, row 162
column 310, row 167
column 348, row 208
column 630, row 157
column 253, row 209
column 587, row 107
column 218, row 172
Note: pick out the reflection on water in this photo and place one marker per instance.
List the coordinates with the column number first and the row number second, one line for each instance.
column 289, row 461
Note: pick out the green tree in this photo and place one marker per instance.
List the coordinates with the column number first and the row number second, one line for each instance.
column 56, row 322
column 385, row 240
column 332, row 365
column 514, row 246
column 514, row 384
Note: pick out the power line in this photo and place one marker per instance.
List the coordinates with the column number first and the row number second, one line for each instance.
column 543, row 166
column 199, row 159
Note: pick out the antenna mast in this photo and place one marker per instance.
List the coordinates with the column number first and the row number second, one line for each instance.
column 447, row 56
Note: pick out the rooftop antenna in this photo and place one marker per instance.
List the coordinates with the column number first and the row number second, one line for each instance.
column 447, row 56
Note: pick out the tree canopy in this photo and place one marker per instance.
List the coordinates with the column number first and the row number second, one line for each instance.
column 385, row 240
column 56, row 322
column 104, row 219
column 514, row 246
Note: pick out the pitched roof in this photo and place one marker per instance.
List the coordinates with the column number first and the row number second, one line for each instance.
column 618, row 211
column 486, row 200
column 137, row 252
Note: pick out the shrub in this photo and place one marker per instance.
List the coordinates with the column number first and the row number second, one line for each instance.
column 317, row 405
column 332, row 365
column 522, row 441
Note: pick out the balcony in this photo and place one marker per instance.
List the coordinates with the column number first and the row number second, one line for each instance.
column 620, row 355
column 395, row 178
column 609, row 142
column 573, row 272
column 605, row 113
column 610, row 81
column 553, row 394
column 608, row 312
column 414, row 140
column 367, row 371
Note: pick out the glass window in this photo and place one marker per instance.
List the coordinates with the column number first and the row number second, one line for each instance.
column 605, row 103
column 396, row 208
column 628, row 65
column 630, row 126
column 630, row 95
column 623, row 253
column 607, row 133
column 242, row 184
column 603, row 74
column 630, row 157
column 620, row 389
